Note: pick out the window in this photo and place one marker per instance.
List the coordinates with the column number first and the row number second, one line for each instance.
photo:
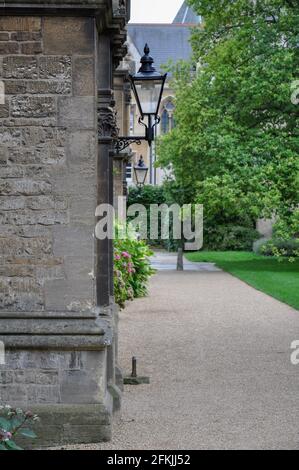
column 129, row 175
column 167, row 118
column 165, row 122
column 132, row 118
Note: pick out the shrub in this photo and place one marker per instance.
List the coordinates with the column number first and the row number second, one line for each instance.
column 123, row 272
column 229, row 237
column 223, row 230
column 132, row 269
column 146, row 196
column 14, row 423
column 280, row 248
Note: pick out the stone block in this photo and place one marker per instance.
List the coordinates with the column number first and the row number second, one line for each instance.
column 17, row 271
column 65, row 35
column 13, row 394
column 19, row 246
column 82, row 149
column 24, row 36
column 24, row 360
column 70, row 424
column 82, row 386
column 33, row 136
column 71, row 295
column 38, row 394
column 24, row 187
column 45, row 377
column 84, row 76
column 39, row 202
column 71, row 361
column 27, row 121
column 49, row 87
column 6, row 377
column 31, row 48
column 7, row 48
column 45, row 217
column 58, row 68
column 8, row 203
column 4, row 110
column 20, row 23
column 15, row 87
column 11, row 137
column 76, row 113
column 13, row 301
column 33, row 106
column 20, row 67
column 3, row 155
column 4, row 37
column 44, row 154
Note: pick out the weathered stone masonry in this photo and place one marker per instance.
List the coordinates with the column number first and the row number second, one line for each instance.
column 57, row 318
column 47, row 139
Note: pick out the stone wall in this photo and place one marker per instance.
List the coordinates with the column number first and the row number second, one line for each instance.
column 48, row 153
column 58, row 322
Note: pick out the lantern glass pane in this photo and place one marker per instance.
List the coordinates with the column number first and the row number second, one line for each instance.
column 140, row 173
column 149, row 92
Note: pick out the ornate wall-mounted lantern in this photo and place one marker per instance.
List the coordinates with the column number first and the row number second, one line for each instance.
column 141, row 171
column 147, row 85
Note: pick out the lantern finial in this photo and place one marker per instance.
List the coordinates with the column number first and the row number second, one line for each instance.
column 147, row 62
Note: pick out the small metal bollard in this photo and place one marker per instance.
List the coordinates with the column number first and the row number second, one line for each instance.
column 133, row 379
column 134, row 367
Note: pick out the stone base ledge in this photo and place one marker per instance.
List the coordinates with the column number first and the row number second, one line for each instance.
column 55, row 342
column 92, row 313
column 69, row 424
column 59, row 331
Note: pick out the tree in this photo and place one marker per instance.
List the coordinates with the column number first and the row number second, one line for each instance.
column 236, row 139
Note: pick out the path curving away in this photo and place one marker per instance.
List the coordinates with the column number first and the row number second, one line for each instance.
column 218, row 354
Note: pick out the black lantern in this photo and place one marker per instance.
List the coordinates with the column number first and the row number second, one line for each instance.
column 140, row 171
column 148, row 86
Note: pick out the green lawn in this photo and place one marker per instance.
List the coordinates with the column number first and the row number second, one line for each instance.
column 278, row 279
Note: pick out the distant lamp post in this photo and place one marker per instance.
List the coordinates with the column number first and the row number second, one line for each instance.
column 148, row 86
column 140, row 171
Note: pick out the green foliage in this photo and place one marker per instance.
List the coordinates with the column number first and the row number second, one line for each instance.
column 14, row 423
column 146, row 196
column 168, row 194
column 229, row 237
column 281, row 248
column 132, row 269
column 236, row 139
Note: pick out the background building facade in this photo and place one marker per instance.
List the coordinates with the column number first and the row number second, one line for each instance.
column 168, row 43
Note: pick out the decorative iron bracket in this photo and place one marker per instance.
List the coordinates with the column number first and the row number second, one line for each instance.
column 123, row 142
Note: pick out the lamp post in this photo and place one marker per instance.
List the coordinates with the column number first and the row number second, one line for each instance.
column 140, row 171
column 147, row 85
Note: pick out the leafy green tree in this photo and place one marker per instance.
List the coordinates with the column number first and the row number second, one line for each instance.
column 236, row 139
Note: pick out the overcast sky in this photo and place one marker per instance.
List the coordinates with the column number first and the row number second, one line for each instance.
column 154, row 11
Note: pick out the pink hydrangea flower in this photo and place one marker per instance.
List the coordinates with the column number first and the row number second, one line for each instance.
column 125, row 254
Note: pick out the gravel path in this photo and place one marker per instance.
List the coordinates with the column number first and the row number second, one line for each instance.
column 218, row 354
